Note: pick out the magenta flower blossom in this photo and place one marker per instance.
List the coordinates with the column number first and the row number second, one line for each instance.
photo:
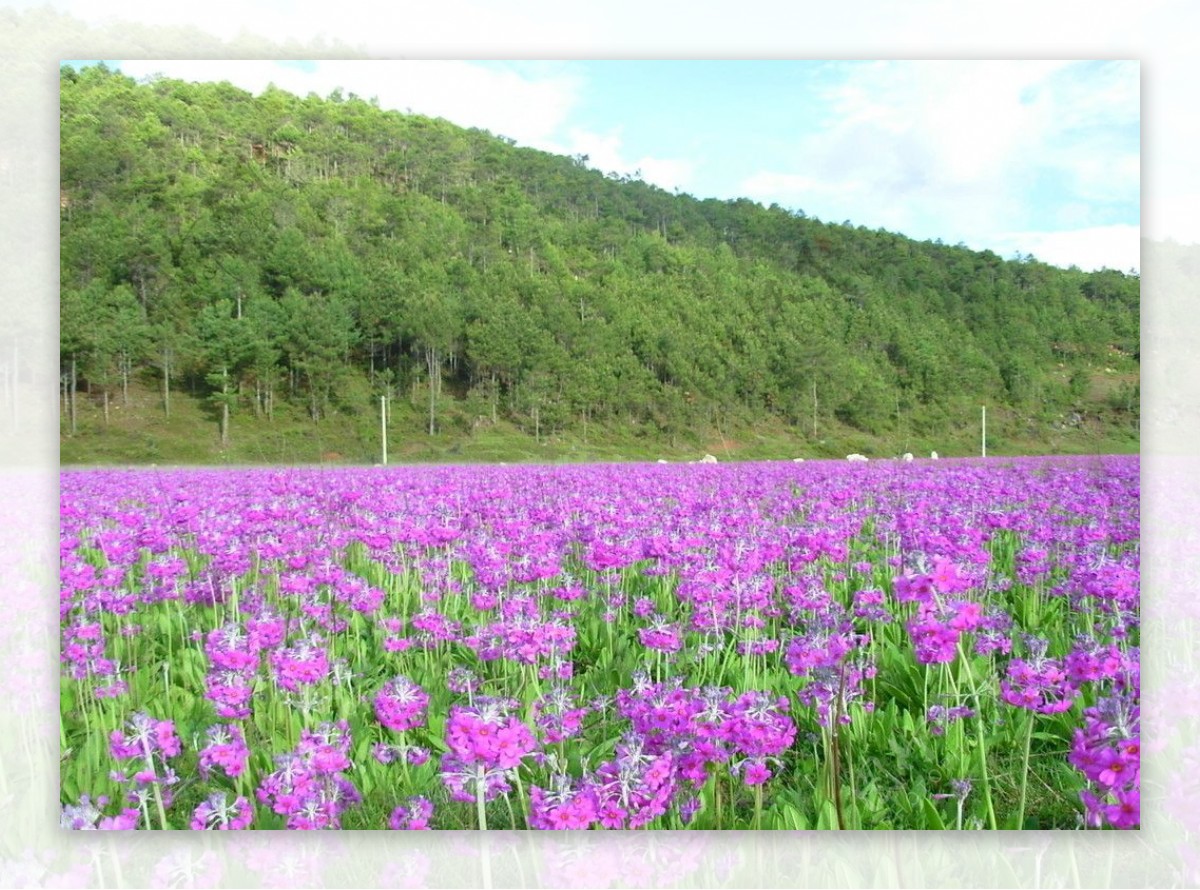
column 304, row 664
column 144, row 737
column 488, row 735
column 400, row 705
column 756, row 772
column 89, row 816
column 413, row 815
column 226, row 750
column 566, row 806
column 1038, row 684
column 218, row 814
column 309, row 786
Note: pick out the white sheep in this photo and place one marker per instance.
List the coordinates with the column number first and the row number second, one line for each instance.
column 797, row 460
column 933, row 455
column 907, row 456
column 856, row 457
column 708, row 459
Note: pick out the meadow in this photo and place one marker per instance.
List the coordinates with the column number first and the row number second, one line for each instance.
column 764, row 645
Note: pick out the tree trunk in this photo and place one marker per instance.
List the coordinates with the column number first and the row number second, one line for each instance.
column 71, row 395
column 224, row 407
column 814, row 389
column 434, row 364
column 166, row 381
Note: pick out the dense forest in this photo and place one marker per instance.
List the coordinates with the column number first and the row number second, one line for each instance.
column 283, row 254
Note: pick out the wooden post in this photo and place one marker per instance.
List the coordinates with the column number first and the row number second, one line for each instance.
column 383, row 426
column 814, row 389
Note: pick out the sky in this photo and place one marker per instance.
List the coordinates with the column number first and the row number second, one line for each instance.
column 1017, row 157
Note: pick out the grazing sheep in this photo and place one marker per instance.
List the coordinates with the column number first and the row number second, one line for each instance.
column 856, row 457
column 933, row 455
column 907, row 456
column 661, row 461
column 708, row 459
column 797, row 460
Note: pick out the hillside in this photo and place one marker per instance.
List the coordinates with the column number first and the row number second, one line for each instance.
column 243, row 278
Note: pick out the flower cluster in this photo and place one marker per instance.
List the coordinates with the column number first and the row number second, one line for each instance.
column 148, row 744
column 400, row 705
column 939, row 717
column 83, row 650
column 831, row 661
column 556, row 715
column 233, row 657
column 485, row 743
column 869, row 606
column 661, row 635
column 226, row 749
column 145, row 737
column 89, row 816
column 635, row 788
column 304, row 664
column 737, row 577
column 413, row 815
column 216, row 813
column 566, row 804
column 309, row 786
column 759, row 728
column 1107, row 750
column 1038, row 683
column 522, row 639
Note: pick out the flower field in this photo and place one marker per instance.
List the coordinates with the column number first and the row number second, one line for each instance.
column 937, row 645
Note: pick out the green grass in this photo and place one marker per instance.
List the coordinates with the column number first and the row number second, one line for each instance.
column 142, row 434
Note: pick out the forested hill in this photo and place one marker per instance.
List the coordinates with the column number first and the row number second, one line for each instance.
column 275, row 255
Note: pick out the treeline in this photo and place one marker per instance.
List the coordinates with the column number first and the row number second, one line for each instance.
column 322, row 252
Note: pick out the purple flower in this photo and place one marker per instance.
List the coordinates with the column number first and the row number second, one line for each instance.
column 413, row 815
column 226, row 749
column 218, row 814
column 400, row 705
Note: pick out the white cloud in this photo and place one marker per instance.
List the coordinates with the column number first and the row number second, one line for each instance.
column 1113, row 247
column 967, row 151
column 605, row 153
column 667, row 173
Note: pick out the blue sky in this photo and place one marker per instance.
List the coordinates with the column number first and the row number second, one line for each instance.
column 1038, row 157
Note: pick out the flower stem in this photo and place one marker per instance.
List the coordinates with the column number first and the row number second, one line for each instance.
column 987, row 785
column 1025, row 772
column 717, row 798
column 480, row 789
column 521, row 795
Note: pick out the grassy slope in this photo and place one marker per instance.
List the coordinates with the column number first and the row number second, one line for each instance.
column 140, row 434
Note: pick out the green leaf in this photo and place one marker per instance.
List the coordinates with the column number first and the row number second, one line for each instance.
column 933, row 819
column 827, row 819
column 789, row 818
